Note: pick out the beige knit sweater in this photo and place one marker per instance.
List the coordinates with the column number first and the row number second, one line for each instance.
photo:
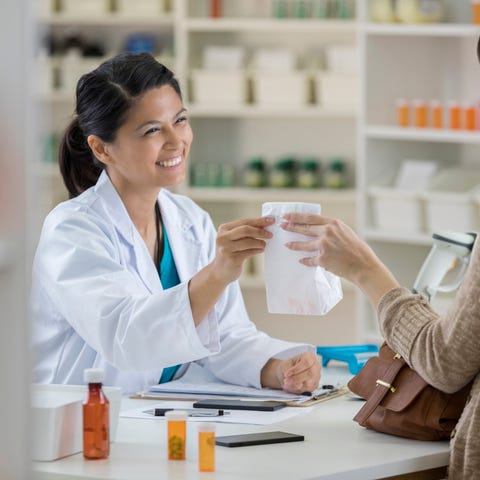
column 445, row 351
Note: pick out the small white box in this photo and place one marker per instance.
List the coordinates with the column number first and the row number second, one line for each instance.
column 336, row 89
column 57, row 419
column 450, row 200
column 85, row 7
column 223, row 58
column 285, row 89
column 396, row 210
column 219, row 88
column 140, row 8
column 71, row 68
column 342, row 59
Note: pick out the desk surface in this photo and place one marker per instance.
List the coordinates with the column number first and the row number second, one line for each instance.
column 334, row 448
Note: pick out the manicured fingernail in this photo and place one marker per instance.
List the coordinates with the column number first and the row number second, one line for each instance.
column 269, row 219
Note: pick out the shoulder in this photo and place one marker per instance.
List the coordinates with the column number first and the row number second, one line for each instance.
column 77, row 219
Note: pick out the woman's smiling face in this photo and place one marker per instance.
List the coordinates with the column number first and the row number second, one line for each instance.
column 151, row 147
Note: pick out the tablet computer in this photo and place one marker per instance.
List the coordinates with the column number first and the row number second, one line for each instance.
column 226, row 404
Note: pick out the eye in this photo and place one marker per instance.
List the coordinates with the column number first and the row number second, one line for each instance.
column 152, row 130
column 183, row 119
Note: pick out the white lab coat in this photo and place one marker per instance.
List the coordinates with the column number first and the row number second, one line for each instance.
column 97, row 299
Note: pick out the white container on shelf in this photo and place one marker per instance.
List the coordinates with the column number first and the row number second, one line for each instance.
column 395, row 209
column 85, row 7
column 219, row 88
column 139, row 8
column 281, row 89
column 450, row 200
column 57, row 428
column 336, row 90
column 341, row 59
column 72, row 67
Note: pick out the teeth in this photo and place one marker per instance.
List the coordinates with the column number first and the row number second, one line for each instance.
column 170, row 163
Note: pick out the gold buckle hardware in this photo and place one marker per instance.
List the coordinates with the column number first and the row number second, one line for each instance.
column 397, row 356
column 386, row 385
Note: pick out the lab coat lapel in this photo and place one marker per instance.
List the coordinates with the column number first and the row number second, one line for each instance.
column 186, row 248
column 140, row 258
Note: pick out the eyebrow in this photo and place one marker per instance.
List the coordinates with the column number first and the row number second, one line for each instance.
column 156, row 122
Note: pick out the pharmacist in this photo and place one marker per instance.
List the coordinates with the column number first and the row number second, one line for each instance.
column 133, row 279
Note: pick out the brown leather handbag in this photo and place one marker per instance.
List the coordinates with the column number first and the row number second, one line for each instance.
column 400, row 402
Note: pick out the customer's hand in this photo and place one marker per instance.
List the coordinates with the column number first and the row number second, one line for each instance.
column 338, row 249
column 236, row 242
column 295, row 375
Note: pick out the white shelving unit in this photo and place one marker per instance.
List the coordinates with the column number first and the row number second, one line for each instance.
column 436, row 61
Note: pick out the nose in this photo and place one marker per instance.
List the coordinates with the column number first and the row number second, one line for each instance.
column 172, row 139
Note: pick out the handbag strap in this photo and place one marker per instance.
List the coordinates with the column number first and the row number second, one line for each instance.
column 382, row 387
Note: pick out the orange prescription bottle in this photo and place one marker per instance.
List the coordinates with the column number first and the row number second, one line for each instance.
column 470, row 117
column 403, row 113
column 436, row 110
column 176, row 434
column 476, row 12
column 206, row 447
column 420, row 114
column 455, row 116
column 96, row 417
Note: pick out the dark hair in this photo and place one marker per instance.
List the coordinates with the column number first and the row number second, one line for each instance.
column 103, row 100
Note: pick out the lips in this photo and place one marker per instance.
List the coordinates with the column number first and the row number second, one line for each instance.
column 171, row 162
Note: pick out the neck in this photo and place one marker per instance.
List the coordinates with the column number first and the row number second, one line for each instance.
column 141, row 209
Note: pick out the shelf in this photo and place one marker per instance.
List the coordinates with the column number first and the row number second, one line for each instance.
column 253, row 111
column 422, row 30
column 253, row 195
column 271, row 25
column 422, row 135
column 399, row 237
column 112, row 20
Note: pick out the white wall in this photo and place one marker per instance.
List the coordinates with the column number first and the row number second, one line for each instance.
column 15, row 135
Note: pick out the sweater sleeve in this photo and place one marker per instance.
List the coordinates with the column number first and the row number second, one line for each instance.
column 443, row 349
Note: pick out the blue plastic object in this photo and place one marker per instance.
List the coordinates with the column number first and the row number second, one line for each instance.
column 354, row 355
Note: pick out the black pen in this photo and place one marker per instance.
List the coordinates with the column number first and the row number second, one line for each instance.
column 192, row 412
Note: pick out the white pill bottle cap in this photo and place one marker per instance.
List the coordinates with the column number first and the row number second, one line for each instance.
column 93, row 375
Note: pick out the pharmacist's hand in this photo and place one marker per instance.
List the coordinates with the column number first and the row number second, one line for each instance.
column 336, row 246
column 236, row 242
column 295, row 375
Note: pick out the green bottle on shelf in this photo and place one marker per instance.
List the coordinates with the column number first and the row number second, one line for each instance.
column 255, row 174
column 308, row 174
column 335, row 175
column 282, row 174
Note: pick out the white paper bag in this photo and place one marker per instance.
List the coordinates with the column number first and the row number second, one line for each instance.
column 293, row 287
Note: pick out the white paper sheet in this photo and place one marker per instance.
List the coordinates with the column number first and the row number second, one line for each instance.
column 234, row 416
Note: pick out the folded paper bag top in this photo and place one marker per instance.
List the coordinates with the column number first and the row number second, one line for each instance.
column 292, row 287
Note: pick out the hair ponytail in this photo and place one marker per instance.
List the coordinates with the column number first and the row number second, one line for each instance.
column 79, row 169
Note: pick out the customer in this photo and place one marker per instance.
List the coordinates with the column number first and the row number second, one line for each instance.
column 443, row 349
column 132, row 278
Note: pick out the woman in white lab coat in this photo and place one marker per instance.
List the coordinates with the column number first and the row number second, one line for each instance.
column 131, row 278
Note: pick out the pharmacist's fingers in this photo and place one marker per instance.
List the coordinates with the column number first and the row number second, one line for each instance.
column 311, row 246
column 260, row 222
column 306, row 218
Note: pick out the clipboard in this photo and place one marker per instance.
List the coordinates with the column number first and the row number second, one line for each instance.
column 334, row 393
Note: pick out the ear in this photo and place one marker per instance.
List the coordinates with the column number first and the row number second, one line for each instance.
column 99, row 149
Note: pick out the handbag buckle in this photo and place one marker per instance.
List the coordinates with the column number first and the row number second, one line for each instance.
column 397, row 356
column 386, row 385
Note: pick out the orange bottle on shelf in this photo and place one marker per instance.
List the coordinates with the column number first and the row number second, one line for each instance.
column 420, row 114
column 215, row 8
column 96, row 417
column 470, row 117
column 436, row 110
column 476, row 12
column 403, row 113
column 455, row 116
